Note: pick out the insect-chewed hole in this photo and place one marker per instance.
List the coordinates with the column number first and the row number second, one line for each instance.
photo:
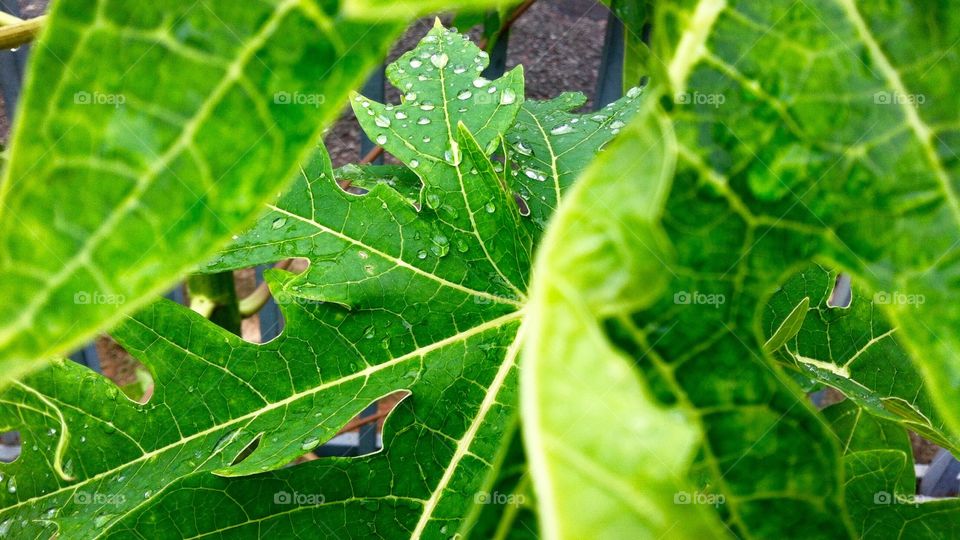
column 260, row 323
column 842, row 294
column 9, row 446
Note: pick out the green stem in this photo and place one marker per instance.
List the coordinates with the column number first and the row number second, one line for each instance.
column 255, row 301
column 15, row 33
column 215, row 297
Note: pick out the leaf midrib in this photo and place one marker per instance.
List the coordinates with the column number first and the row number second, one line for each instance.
column 461, row 336
column 398, row 261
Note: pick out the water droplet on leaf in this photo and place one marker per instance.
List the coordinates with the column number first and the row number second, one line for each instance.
column 439, row 60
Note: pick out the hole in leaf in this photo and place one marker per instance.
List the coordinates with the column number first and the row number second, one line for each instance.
column 130, row 376
column 842, row 295
column 364, row 434
column 9, row 446
column 248, row 449
column 524, row 209
column 937, row 471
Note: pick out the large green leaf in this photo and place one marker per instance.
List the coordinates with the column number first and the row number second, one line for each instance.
column 104, row 464
column 217, row 395
column 834, row 146
column 853, row 349
column 797, row 127
column 425, row 298
column 881, row 486
column 622, row 480
column 148, row 135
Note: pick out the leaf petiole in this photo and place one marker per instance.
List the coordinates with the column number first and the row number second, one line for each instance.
column 15, row 32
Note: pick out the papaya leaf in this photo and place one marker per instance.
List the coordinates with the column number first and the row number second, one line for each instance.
column 855, row 350
column 148, row 135
column 789, row 151
column 550, row 145
column 824, row 181
column 622, row 481
column 218, row 398
column 880, row 485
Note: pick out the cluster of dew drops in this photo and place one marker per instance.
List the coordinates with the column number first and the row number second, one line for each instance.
column 423, row 65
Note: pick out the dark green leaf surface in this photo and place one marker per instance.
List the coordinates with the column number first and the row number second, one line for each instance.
column 855, row 350
column 551, row 145
column 823, row 130
column 880, row 486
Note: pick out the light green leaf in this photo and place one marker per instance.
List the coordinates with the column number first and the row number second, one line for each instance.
column 624, row 480
column 148, row 134
column 855, row 350
column 881, row 486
